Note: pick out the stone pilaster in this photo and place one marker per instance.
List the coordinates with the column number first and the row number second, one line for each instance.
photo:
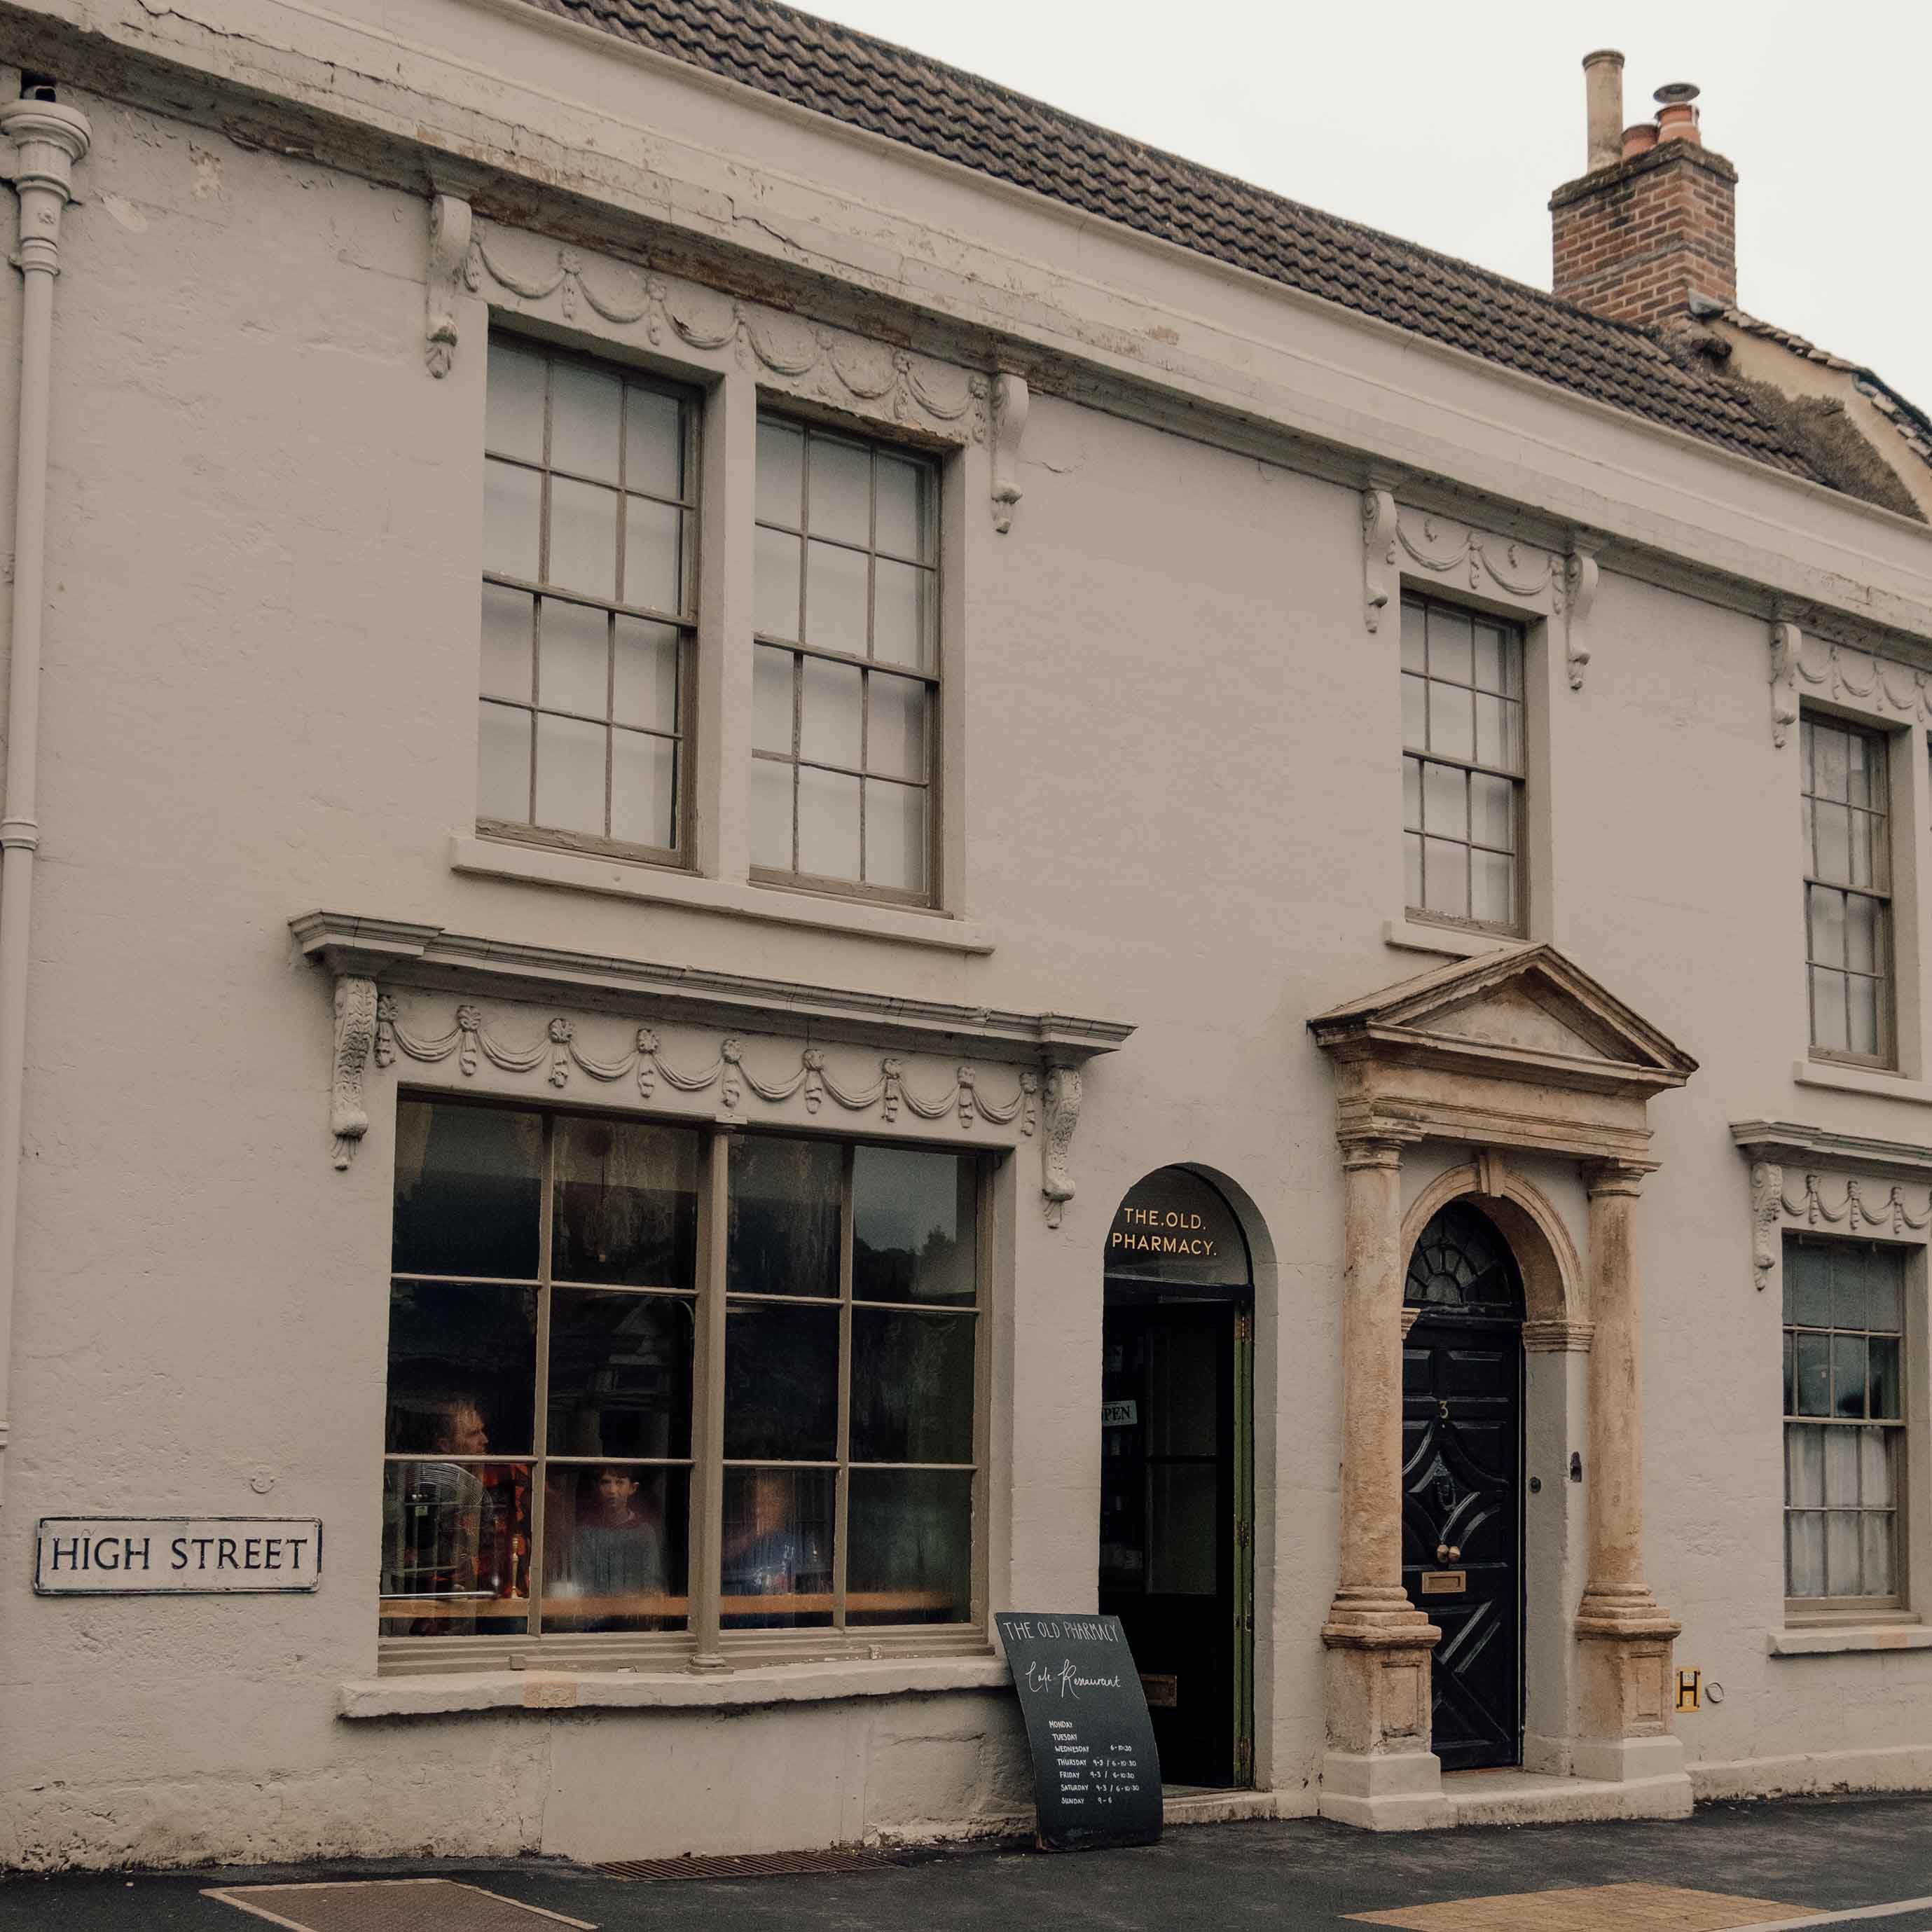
column 1379, row 1770
column 1625, row 1639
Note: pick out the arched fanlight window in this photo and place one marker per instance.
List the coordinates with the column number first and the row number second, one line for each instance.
column 1173, row 1226
column 1462, row 1262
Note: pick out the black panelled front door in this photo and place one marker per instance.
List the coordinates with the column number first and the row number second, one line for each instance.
column 1462, row 1560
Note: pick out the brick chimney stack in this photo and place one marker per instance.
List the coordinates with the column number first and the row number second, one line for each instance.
column 1654, row 222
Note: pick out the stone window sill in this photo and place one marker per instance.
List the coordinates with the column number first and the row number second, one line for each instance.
column 621, row 878
column 435, row 1696
column 1828, row 1639
column 1452, row 942
column 1860, row 1080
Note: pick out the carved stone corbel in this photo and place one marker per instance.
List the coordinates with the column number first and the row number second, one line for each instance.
column 1012, row 399
column 1378, row 542
column 449, row 231
column 1579, row 585
column 1787, row 639
column 1060, row 1102
column 356, row 1008
column 1767, row 1186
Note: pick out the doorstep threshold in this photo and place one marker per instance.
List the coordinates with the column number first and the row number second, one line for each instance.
column 1202, row 1805
column 1516, row 1797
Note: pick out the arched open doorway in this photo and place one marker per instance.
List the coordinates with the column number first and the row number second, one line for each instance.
column 1462, row 1480
column 1177, row 1469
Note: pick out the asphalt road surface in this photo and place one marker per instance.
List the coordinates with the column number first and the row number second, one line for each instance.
column 1810, row 1857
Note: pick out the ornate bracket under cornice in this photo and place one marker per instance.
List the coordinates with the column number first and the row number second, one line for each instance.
column 1378, row 545
column 1787, row 644
column 1850, row 1181
column 449, row 226
column 790, row 1024
column 834, row 366
column 1011, row 400
column 1579, row 585
column 1858, row 679
column 453, row 184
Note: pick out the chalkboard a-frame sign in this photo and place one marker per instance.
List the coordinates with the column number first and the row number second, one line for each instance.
column 1096, row 1769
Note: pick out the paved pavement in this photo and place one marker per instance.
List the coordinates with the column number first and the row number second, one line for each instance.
column 1813, row 1856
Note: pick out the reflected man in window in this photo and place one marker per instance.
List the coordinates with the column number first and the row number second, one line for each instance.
column 438, row 1539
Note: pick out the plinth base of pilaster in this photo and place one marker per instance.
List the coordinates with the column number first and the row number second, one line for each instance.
column 1625, row 1690
column 1385, row 1791
column 1630, row 1761
column 1379, row 1772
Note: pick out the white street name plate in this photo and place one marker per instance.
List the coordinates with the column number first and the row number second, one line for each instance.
column 150, row 1555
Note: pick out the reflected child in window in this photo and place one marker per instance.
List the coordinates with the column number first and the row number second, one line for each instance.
column 614, row 1560
column 771, row 1551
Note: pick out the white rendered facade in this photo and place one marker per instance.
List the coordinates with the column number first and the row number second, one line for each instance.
column 1176, row 511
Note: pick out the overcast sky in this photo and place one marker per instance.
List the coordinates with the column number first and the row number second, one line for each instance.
column 1451, row 125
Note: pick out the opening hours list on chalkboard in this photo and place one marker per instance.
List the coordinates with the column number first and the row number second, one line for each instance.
column 1097, row 1771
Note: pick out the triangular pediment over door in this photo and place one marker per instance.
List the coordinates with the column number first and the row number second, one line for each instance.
column 1525, row 1017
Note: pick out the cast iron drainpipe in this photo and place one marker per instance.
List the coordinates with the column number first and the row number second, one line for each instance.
column 48, row 139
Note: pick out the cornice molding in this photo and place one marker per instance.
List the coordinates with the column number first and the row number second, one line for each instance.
column 368, row 958
column 1793, row 1143
column 1852, row 1182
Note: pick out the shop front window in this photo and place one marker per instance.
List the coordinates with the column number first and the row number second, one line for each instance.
column 547, row 1459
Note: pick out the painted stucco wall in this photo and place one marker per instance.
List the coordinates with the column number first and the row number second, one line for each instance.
column 1180, row 796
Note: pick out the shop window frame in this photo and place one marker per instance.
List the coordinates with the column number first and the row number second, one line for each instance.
column 707, row 1641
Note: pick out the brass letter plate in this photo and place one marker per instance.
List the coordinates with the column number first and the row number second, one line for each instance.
column 1163, row 1692
column 1444, row 1582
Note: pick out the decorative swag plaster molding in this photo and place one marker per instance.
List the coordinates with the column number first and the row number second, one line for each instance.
column 1802, row 661
column 870, row 378
column 1043, row 1053
column 1811, row 1178
column 1559, row 585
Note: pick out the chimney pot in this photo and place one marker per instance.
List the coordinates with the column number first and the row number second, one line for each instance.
column 1639, row 139
column 1677, row 112
column 1603, row 90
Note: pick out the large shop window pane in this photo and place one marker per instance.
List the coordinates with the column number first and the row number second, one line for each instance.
column 910, row 1557
column 784, row 1216
column 616, row 1538
column 781, row 1382
column 626, row 1204
column 776, row 1549
column 912, row 1387
column 467, row 1191
column 619, row 1373
column 462, row 1361
column 912, row 1236
column 456, row 1548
